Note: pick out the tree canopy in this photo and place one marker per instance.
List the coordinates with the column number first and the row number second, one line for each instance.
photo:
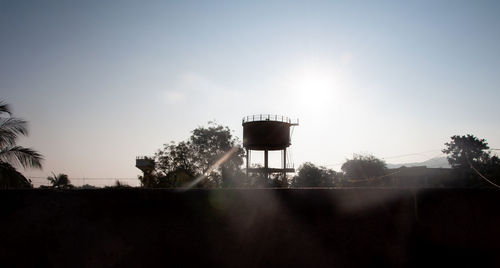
column 364, row 167
column 210, row 151
column 472, row 161
column 465, row 150
column 310, row 175
column 11, row 178
column 60, row 181
column 12, row 154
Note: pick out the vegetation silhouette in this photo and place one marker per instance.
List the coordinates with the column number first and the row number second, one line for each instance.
column 466, row 153
column 180, row 163
column 310, row 175
column 259, row 180
column 466, row 149
column 119, row 184
column 14, row 155
column 60, row 181
column 11, row 178
column 87, row 186
column 363, row 170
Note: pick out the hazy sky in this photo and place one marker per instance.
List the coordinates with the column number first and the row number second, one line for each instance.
column 104, row 81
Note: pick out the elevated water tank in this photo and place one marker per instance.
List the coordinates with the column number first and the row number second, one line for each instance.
column 145, row 163
column 267, row 132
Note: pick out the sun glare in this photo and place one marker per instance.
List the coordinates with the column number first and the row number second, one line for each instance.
column 314, row 88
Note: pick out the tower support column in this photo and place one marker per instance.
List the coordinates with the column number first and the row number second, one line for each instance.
column 248, row 158
column 284, row 182
column 266, row 164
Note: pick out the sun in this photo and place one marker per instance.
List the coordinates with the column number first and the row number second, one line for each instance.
column 314, row 87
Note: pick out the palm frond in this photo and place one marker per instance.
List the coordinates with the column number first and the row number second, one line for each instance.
column 11, row 178
column 59, row 181
column 4, row 108
column 21, row 156
column 52, row 179
column 10, row 128
column 7, row 138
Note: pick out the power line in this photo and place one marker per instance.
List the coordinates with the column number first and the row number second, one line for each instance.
column 481, row 175
column 391, row 157
column 403, row 155
column 88, row 178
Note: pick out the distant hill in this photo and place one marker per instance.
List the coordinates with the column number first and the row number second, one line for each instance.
column 436, row 162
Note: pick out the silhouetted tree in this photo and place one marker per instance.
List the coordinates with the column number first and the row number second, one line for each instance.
column 88, row 186
column 10, row 153
column 148, row 180
column 175, row 165
column 11, row 178
column 176, row 158
column 310, row 175
column 259, row 180
column 210, row 151
column 467, row 152
column 364, row 168
column 175, row 178
column 232, row 176
column 218, row 154
column 119, row 184
column 60, row 181
column 463, row 150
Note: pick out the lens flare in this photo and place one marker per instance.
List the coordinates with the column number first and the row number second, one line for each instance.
column 217, row 163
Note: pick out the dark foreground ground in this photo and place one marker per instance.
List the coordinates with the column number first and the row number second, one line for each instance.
column 302, row 227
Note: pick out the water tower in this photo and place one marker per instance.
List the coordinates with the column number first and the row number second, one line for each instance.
column 145, row 163
column 268, row 133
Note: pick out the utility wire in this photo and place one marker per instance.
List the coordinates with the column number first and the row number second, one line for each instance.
column 481, row 175
column 403, row 155
column 390, row 157
column 88, row 178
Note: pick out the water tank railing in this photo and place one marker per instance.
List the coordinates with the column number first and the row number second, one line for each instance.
column 142, row 157
column 269, row 117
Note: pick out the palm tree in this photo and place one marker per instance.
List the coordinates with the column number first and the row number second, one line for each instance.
column 11, row 178
column 10, row 153
column 60, row 181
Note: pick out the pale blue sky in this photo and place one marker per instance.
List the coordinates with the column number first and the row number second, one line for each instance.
column 103, row 82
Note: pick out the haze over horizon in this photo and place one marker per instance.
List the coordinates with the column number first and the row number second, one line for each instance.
column 101, row 82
